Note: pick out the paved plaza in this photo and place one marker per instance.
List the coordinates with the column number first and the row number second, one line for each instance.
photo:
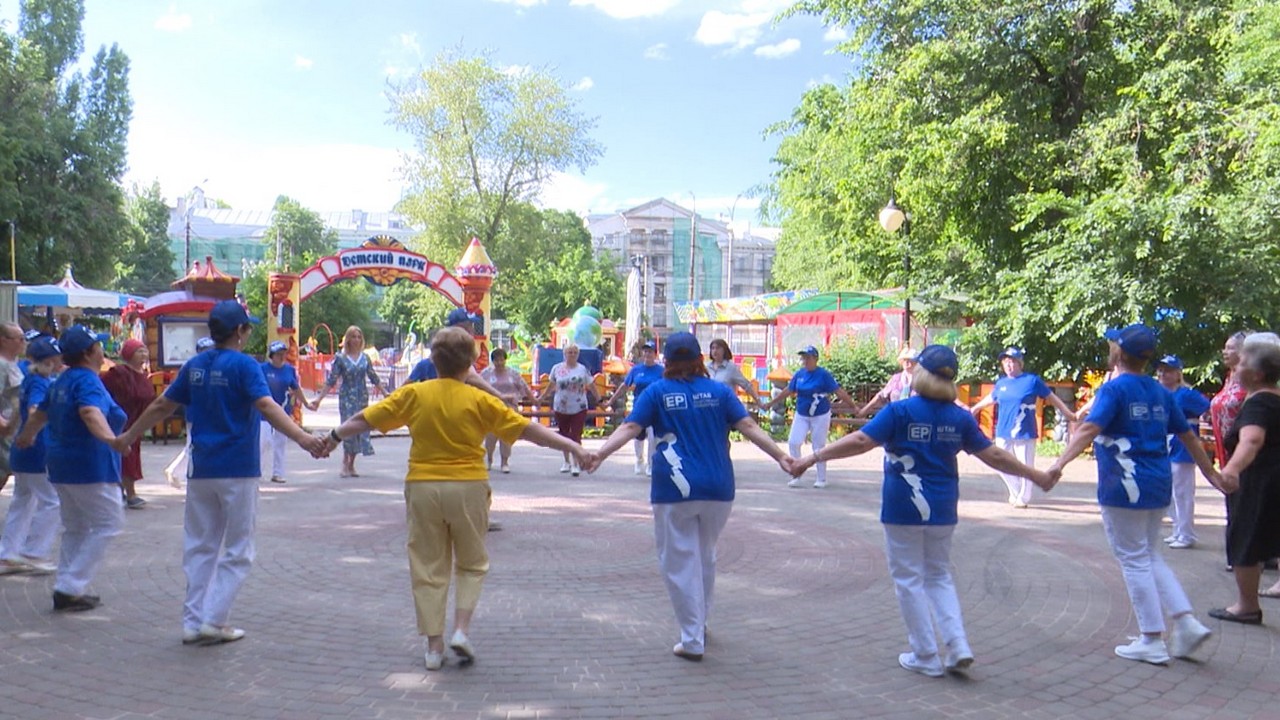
column 575, row 621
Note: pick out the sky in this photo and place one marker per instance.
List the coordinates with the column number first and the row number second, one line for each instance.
column 252, row 99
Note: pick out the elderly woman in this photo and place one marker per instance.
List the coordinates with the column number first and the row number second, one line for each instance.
column 569, row 385
column 511, row 389
column 722, row 368
column 921, row 437
column 1226, row 405
column 813, row 387
column 352, row 366
column 1128, row 426
column 83, row 456
column 130, row 386
column 692, row 486
column 637, row 380
column 1252, row 476
column 1015, row 397
column 898, row 387
column 446, row 489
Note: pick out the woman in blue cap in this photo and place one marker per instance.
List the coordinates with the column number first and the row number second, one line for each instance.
column 692, row 487
column 282, row 379
column 1128, row 426
column 921, row 437
column 32, row 522
column 83, row 458
column 1015, row 397
column 1193, row 404
column 813, row 387
column 638, row 379
column 226, row 398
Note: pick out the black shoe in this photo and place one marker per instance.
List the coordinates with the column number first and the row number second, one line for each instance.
column 63, row 602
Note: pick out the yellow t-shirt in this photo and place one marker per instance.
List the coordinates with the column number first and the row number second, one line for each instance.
column 447, row 421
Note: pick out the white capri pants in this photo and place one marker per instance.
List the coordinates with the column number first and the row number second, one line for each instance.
column 1183, row 509
column 273, row 441
column 92, row 514
column 919, row 558
column 1020, row 488
column 686, row 535
column 816, row 427
column 1154, row 591
column 32, row 522
column 218, row 550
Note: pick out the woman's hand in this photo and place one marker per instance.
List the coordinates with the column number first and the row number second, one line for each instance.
column 1228, row 481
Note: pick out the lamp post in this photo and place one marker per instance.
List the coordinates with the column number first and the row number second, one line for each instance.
column 892, row 217
column 693, row 245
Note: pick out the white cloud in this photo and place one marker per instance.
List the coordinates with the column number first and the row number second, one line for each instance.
column 517, row 70
column 173, row 21
column 778, row 50
column 656, row 52
column 409, row 41
column 584, row 84
column 826, row 79
column 629, row 9
column 738, row 30
column 835, row 35
column 402, row 55
column 573, row 192
column 303, row 63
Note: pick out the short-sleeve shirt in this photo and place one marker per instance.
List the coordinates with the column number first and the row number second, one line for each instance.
column 509, row 383
column 31, row 460
column 690, row 420
column 1193, row 404
column 571, row 388
column 447, row 421
column 220, row 388
column 813, row 390
column 74, row 455
column 424, row 370
column 642, row 376
column 898, row 387
column 279, row 381
column 1135, row 414
column 921, row 438
column 1016, row 406
column 10, row 387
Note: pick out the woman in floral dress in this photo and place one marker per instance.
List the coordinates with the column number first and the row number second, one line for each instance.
column 352, row 366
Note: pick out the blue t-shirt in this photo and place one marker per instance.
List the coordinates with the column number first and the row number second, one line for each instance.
column 31, row 460
column 921, row 439
column 219, row 388
column 73, row 454
column 1136, row 415
column 690, row 420
column 642, row 376
column 1193, row 404
column 280, row 380
column 813, row 390
column 424, row 370
column 1016, row 406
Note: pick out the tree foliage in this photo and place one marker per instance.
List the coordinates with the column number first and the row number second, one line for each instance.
column 146, row 262
column 557, row 286
column 1068, row 166
column 62, row 146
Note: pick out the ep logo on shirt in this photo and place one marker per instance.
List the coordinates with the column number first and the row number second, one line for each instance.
column 675, row 402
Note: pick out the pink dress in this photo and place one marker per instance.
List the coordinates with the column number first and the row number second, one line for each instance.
column 1223, row 411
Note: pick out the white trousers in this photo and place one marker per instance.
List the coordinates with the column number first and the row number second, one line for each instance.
column 182, row 459
column 1183, row 509
column 274, row 442
column 1154, row 591
column 816, row 427
column 32, row 522
column 686, row 535
column 920, row 564
column 218, row 551
column 640, row 447
column 92, row 514
column 1020, row 488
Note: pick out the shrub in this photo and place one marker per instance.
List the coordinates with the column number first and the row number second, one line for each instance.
column 858, row 362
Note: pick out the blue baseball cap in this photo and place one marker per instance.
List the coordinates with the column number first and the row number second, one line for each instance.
column 205, row 343
column 649, row 345
column 1137, row 340
column 681, row 346
column 230, row 314
column 1172, row 361
column 939, row 360
column 31, row 334
column 1013, row 351
column 457, row 316
column 277, row 346
column 77, row 339
column 43, row 347
column 808, row 350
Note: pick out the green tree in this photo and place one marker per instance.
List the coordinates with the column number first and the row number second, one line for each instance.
column 1068, row 166
column 299, row 233
column 146, row 265
column 553, row 289
column 62, row 146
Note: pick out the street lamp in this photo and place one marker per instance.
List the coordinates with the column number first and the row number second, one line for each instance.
column 892, row 217
column 693, row 245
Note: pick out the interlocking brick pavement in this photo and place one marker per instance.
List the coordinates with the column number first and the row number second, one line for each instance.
column 575, row 621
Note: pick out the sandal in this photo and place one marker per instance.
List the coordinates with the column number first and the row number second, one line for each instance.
column 1269, row 593
column 1251, row 618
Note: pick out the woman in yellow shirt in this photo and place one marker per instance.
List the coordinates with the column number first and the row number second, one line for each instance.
column 447, row 486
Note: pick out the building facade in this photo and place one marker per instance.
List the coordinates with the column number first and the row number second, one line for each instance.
column 664, row 241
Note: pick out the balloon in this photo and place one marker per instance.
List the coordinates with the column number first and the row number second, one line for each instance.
column 588, row 311
column 586, row 332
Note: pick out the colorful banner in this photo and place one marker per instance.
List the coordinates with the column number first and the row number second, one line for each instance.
column 755, row 308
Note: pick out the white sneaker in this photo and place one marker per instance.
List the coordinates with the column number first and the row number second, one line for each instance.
column 190, row 636
column 909, row 661
column 41, row 567
column 795, row 482
column 1181, row 544
column 1145, row 650
column 564, row 468
column 435, row 660
column 574, row 469
column 1186, row 636
column 1171, row 539
column 648, row 469
column 639, row 469
column 213, row 634
column 819, row 483
column 506, row 468
column 959, row 656
column 462, row 647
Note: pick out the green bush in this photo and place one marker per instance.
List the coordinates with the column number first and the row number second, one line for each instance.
column 858, row 363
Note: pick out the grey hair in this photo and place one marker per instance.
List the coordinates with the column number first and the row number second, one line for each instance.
column 1262, row 352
